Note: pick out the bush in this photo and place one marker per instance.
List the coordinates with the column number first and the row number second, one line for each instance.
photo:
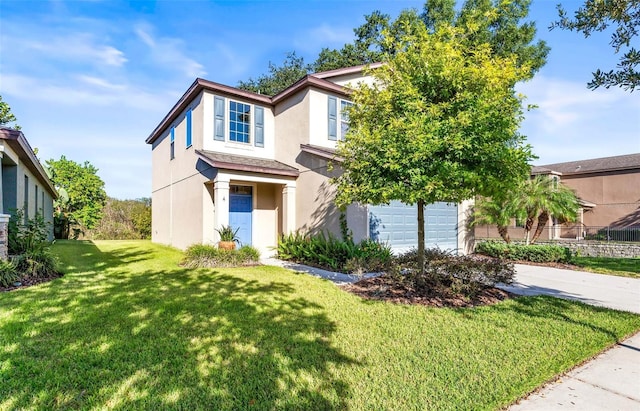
column 26, row 236
column 208, row 256
column 37, row 263
column 519, row 252
column 329, row 252
column 466, row 275
column 8, row 274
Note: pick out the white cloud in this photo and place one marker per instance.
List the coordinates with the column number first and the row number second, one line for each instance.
column 77, row 47
column 96, row 92
column 168, row 51
column 573, row 122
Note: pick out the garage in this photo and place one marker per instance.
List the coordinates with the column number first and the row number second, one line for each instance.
column 397, row 225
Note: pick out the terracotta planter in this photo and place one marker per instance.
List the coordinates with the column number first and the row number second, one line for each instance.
column 227, row 245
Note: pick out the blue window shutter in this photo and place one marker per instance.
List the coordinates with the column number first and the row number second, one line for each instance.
column 219, row 119
column 333, row 118
column 188, row 128
column 259, row 127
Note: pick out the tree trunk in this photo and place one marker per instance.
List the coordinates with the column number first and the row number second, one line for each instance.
column 504, row 233
column 421, row 236
column 542, row 221
column 527, row 229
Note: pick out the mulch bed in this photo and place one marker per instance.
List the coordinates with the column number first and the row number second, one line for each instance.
column 30, row 281
column 387, row 288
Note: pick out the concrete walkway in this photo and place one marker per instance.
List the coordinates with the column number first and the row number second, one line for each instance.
column 337, row 278
column 611, row 381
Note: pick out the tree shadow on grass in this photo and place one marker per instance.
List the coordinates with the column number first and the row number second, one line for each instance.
column 173, row 338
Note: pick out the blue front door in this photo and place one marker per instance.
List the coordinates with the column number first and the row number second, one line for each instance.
column 240, row 208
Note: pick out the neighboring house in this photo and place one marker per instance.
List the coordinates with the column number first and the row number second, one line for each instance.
column 608, row 190
column 261, row 164
column 25, row 184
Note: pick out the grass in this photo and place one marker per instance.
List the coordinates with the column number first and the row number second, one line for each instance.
column 127, row 328
column 624, row 267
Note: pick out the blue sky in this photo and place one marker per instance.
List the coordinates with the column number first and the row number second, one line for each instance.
column 91, row 79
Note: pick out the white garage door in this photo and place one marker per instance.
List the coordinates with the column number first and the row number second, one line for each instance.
column 397, row 225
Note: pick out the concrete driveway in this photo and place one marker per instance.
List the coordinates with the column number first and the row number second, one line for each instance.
column 620, row 293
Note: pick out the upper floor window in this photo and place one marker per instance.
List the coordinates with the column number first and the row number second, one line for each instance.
column 344, row 117
column 172, row 147
column 239, row 122
column 188, row 139
column 332, row 111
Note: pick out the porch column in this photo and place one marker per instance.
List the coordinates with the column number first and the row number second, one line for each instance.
column 221, row 204
column 289, row 208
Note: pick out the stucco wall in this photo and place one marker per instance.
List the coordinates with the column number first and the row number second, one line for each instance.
column 616, row 195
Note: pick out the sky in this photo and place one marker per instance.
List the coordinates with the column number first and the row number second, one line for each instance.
column 90, row 80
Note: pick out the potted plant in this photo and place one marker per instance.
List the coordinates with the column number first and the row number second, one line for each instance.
column 228, row 237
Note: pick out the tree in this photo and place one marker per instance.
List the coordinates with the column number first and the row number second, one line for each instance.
column 542, row 197
column 81, row 195
column 124, row 220
column 6, row 116
column 597, row 15
column 439, row 125
column 497, row 210
column 279, row 78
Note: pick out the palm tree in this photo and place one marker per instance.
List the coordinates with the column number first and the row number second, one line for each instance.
column 498, row 210
column 542, row 197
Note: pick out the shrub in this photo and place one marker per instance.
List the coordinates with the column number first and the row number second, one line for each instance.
column 327, row 251
column 466, row 275
column 26, row 235
column 37, row 263
column 8, row 274
column 208, row 256
column 546, row 253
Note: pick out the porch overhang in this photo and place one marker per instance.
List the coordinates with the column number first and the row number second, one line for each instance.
column 247, row 164
column 323, row 152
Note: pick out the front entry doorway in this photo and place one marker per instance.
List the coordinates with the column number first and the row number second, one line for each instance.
column 240, row 212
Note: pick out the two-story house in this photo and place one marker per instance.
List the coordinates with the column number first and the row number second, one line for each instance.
column 225, row 156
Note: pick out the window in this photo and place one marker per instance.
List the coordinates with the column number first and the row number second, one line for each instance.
column 239, row 121
column 344, row 118
column 35, row 203
column 188, row 139
column 172, row 147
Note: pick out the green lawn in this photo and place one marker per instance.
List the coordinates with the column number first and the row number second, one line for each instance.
column 625, row 267
column 127, row 328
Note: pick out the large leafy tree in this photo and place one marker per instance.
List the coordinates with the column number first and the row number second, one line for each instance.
column 81, row 195
column 279, row 77
column 598, row 15
column 6, row 116
column 441, row 123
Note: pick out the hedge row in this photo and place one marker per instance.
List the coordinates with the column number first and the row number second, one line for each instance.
column 520, row 252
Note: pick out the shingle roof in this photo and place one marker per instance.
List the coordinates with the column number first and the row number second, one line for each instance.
column 324, row 152
column 250, row 164
column 624, row 162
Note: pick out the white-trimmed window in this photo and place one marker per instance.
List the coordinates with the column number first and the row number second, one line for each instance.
column 332, row 111
column 244, row 125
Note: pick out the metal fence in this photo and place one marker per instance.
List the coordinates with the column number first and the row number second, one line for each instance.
column 599, row 233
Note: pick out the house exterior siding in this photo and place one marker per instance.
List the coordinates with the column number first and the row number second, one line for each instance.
column 291, row 188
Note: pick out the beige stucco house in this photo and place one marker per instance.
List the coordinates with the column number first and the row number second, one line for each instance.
column 24, row 183
column 225, row 156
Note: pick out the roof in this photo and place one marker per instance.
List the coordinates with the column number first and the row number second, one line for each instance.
column 345, row 70
column 249, row 164
column 596, row 165
column 324, row 152
column 309, row 81
column 18, row 142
